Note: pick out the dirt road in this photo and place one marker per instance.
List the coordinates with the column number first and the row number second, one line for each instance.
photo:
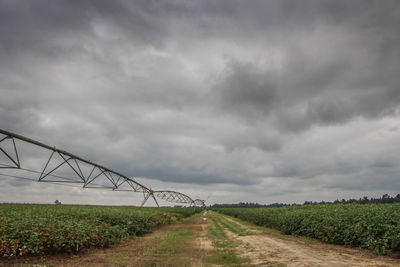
column 212, row 239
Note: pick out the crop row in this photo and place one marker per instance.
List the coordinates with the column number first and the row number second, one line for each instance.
column 36, row 229
column 374, row 227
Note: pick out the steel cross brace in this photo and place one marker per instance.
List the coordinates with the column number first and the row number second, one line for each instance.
column 15, row 160
column 146, row 196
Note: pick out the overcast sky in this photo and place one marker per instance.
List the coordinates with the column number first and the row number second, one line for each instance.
column 261, row 101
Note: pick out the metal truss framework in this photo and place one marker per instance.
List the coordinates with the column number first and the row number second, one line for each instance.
column 116, row 181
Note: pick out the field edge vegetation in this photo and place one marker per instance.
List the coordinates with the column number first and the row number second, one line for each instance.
column 39, row 229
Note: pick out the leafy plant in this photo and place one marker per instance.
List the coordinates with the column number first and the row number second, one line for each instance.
column 38, row 229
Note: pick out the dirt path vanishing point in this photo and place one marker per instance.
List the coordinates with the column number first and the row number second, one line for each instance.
column 187, row 244
column 267, row 247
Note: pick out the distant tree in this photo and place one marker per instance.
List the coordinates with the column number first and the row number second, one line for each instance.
column 364, row 200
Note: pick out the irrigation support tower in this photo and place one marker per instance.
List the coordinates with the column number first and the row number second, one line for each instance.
column 114, row 180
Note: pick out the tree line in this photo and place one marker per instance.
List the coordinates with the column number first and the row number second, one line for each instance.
column 364, row 200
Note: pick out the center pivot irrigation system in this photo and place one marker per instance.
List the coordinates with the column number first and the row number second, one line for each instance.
column 110, row 179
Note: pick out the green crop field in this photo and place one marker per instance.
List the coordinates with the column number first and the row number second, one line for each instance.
column 370, row 226
column 36, row 229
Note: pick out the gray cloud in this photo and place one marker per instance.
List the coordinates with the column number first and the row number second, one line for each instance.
column 247, row 91
column 210, row 94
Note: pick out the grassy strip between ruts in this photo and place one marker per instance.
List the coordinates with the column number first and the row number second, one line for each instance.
column 231, row 225
column 224, row 248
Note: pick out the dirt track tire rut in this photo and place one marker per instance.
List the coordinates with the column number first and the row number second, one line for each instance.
column 272, row 249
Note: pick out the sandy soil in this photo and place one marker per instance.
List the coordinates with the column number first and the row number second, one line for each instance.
column 266, row 248
column 203, row 242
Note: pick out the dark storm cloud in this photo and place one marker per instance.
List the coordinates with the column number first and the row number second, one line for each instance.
column 246, row 91
column 341, row 62
column 336, row 69
column 204, row 92
column 39, row 26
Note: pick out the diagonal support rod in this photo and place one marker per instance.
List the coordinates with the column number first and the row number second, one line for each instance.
column 15, row 161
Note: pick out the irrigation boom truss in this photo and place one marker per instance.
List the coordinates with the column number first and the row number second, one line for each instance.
column 116, row 181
